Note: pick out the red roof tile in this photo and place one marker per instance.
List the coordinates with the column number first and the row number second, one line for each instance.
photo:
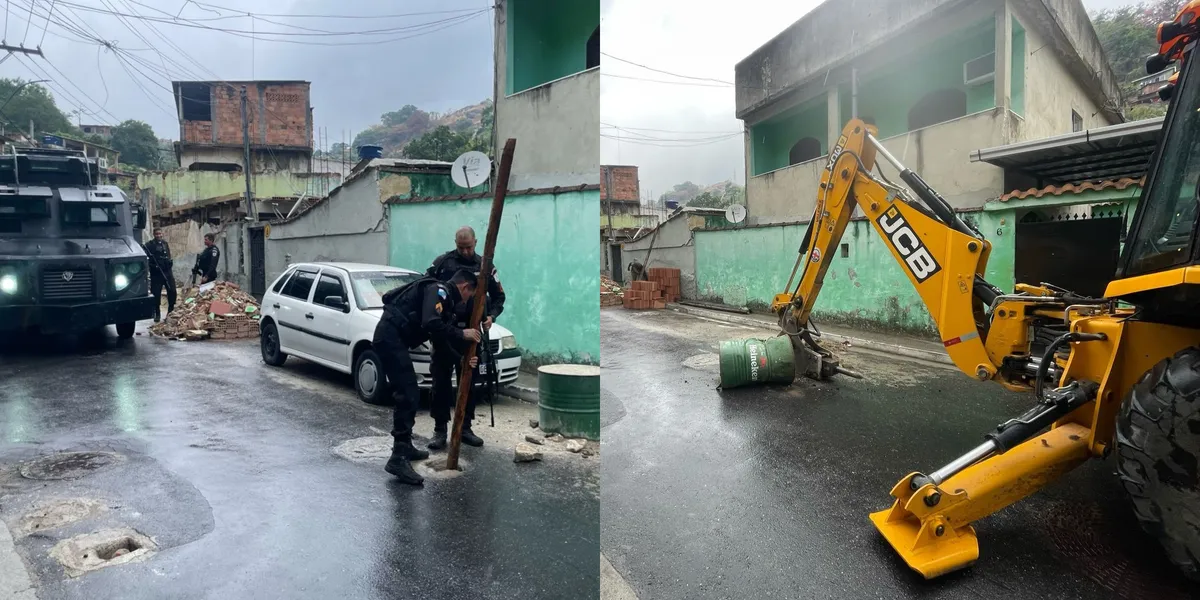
column 1071, row 188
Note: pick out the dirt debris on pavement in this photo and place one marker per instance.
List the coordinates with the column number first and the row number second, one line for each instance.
column 222, row 311
column 611, row 292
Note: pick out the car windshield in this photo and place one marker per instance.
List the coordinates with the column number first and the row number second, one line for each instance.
column 370, row 286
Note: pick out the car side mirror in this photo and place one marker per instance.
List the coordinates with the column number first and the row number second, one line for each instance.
column 141, row 218
column 337, row 302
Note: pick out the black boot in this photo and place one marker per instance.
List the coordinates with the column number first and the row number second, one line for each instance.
column 157, row 316
column 400, row 467
column 469, row 438
column 439, row 437
column 410, row 452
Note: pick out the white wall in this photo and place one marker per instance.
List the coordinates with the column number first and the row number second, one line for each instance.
column 1051, row 92
column 556, row 125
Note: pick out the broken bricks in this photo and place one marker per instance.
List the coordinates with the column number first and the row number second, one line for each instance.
column 220, row 310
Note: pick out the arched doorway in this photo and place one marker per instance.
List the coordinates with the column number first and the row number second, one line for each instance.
column 804, row 150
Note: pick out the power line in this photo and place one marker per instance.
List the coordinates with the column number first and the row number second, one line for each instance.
column 705, row 85
column 312, row 16
column 424, row 28
column 62, row 89
column 643, row 136
column 625, row 127
column 666, row 144
column 46, row 27
column 665, row 72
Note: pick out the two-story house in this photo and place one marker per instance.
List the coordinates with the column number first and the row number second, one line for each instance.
column 939, row 78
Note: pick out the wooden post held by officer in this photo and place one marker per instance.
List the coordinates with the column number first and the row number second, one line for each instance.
column 489, row 249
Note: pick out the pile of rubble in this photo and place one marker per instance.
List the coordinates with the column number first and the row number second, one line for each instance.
column 220, row 310
column 610, row 292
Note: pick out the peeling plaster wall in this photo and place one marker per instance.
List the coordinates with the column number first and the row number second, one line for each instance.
column 546, row 255
column 939, row 153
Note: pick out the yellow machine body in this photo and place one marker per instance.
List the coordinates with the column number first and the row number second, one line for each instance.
column 930, row 523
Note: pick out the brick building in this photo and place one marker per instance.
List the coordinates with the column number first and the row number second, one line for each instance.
column 278, row 122
column 621, row 217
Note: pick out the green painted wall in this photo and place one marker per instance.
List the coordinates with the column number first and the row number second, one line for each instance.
column 1017, row 89
column 175, row 188
column 865, row 289
column 547, row 39
column 547, row 257
column 428, row 185
column 773, row 139
column 887, row 94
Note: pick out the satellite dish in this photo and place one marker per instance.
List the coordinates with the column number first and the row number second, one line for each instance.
column 471, row 169
column 736, row 213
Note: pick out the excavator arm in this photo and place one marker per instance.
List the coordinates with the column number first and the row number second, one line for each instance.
column 942, row 256
column 988, row 335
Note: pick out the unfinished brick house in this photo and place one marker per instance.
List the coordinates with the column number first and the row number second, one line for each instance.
column 279, row 124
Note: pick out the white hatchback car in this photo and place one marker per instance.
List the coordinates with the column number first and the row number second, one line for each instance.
column 326, row 313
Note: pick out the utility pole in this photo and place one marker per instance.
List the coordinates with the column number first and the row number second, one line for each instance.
column 613, row 269
column 19, row 49
column 248, row 169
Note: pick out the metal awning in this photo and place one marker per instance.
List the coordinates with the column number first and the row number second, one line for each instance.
column 1111, row 152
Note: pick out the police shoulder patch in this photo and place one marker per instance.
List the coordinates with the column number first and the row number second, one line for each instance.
column 443, row 295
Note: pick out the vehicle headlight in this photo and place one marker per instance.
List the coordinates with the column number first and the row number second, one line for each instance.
column 120, row 281
column 8, row 283
column 508, row 343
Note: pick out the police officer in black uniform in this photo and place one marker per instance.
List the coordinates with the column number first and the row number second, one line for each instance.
column 441, row 369
column 206, row 263
column 159, row 254
column 413, row 314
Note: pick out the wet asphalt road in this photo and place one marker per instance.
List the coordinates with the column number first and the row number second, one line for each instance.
column 227, row 465
column 765, row 492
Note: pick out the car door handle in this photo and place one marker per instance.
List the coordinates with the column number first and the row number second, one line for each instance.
column 275, row 306
column 308, row 316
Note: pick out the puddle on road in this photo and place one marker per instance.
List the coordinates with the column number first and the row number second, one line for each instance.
column 69, row 465
column 101, row 549
column 57, row 513
column 704, row 362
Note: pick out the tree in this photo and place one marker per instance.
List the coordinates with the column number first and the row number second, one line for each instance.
column 1127, row 35
column 396, row 117
column 442, row 143
column 1146, row 111
column 136, row 142
column 32, row 102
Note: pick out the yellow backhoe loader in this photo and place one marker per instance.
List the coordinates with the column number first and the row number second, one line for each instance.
column 1118, row 374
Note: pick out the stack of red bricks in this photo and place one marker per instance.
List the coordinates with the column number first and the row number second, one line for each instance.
column 643, row 295
column 668, row 282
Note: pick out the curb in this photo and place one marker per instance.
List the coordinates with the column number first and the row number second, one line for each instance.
column 917, row 353
column 520, row 392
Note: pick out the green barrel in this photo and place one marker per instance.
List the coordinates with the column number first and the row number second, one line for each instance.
column 569, row 400
column 752, row 361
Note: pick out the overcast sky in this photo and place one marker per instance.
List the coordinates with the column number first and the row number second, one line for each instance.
column 351, row 85
column 671, row 35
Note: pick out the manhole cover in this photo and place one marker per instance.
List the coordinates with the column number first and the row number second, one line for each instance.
column 69, row 465
column 107, row 548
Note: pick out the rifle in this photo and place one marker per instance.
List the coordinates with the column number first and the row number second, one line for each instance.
column 492, row 379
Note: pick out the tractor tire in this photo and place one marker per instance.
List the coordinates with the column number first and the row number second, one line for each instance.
column 1158, row 456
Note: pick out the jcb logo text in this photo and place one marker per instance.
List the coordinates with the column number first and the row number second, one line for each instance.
column 916, row 257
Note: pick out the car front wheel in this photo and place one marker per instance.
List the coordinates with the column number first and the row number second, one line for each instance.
column 125, row 330
column 369, row 380
column 269, row 343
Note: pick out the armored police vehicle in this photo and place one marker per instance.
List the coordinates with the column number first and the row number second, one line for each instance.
column 70, row 254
